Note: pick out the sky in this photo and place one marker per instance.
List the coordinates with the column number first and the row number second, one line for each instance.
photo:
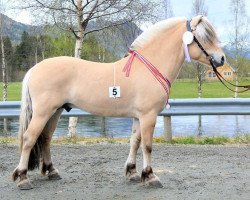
column 218, row 14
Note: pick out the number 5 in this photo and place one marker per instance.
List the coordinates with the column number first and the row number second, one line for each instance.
column 114, row 91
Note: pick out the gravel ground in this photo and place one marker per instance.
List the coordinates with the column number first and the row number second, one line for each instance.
column 96, row 172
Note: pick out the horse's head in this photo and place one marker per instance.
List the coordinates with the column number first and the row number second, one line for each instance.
column 205, row 46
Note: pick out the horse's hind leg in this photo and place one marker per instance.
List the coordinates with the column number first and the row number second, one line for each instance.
column 147, row 124
column 130, row 166
column 47, row 134
column 29, row 138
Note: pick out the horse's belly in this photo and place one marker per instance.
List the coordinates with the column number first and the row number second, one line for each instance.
column 108, row 108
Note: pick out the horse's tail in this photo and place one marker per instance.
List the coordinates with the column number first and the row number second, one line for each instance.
column 24, row 120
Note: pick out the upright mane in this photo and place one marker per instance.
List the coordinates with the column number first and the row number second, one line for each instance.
column 205, row 32
column 153, row 30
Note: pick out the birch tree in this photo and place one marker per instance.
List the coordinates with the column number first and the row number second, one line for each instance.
column 77, row 15
column 199, row 8
column 239, row 35
column 4, row 69
column 168, row 10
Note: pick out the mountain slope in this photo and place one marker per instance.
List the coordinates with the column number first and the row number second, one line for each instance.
column 14, row 29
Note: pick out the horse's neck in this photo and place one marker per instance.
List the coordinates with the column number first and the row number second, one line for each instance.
column 167, row 53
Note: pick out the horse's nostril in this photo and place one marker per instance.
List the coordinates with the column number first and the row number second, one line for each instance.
column 222, row 60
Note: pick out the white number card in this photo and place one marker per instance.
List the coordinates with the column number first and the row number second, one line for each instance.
column 114, row 92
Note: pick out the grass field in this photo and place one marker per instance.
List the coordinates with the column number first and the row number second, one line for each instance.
column 215, row 89
column 14, row 91
column 244, row 139
column 180, row 89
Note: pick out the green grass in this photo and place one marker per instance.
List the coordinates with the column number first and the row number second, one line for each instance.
column 9, row 140
column 220, row 140
column 14, row 91
column 180, row 89
column 244, row 139
column 215, row 89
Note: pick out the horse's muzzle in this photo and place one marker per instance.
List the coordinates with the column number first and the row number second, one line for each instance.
column 217, row 61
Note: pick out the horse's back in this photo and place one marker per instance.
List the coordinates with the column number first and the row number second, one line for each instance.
column 64, row 62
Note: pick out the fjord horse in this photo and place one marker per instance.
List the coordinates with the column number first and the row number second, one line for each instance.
column 139, row 83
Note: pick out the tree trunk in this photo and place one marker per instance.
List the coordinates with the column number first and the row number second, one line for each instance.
column 199, row 79
column 5, row 83
column 4, row 70
column 78, row 50
column 236, row 83
column 73, row 120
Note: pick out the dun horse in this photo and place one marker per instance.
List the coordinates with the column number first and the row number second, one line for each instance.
column 136, row 86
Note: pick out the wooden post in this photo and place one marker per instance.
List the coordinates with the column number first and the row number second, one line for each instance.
column 167, row 128
column 5, row 126
column 103, row 127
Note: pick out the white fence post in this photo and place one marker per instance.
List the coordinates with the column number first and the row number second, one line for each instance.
column 167, row 128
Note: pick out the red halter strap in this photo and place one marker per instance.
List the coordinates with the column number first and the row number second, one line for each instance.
column 157, row 74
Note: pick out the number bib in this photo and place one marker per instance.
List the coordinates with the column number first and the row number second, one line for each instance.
column 114, row 92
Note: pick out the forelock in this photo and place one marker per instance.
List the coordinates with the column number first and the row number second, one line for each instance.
column 205, row 32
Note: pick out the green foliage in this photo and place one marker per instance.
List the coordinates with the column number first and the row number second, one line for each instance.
column 243, row 139
column 94, row 51
column 62, row 45
column 25, row 52
column 33, row 49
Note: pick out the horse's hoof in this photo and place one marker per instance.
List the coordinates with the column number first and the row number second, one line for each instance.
column 148, row 178
column 131, row 173
column 25, row 185
column 154, row 182
column 135, row 178
column 54, row 175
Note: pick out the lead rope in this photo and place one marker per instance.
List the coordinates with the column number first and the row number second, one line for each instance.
column 222, row 80
column 219, row 76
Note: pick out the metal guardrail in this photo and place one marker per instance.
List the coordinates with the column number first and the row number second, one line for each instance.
column 202, row 106
column 178, row 107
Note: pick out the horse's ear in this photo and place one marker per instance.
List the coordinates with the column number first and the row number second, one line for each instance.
column 195, row 21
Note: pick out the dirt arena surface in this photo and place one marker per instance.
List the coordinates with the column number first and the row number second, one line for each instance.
column 96, row 172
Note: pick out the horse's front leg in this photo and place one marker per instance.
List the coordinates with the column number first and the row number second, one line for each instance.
column 147, row 124
column 130, row 166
